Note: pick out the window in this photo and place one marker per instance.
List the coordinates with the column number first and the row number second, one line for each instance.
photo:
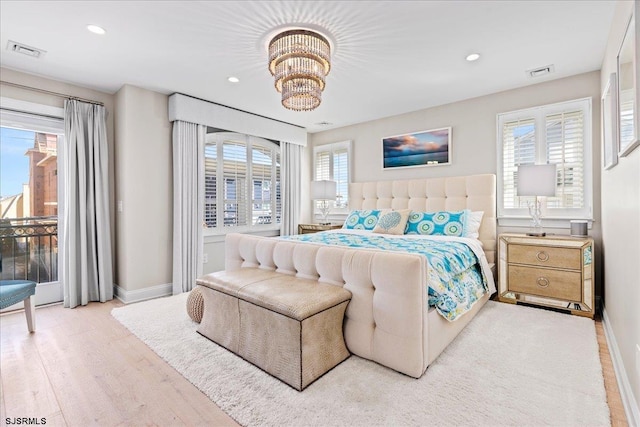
column 246, row 170
column 30, row 141
column 332, row 162
column 557, row 134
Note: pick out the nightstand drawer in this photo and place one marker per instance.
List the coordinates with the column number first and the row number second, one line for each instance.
column 566, row 258
column 314, row 228
column 564, row 285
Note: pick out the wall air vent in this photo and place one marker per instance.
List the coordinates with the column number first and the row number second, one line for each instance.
column 542, row 71
column 34, row 52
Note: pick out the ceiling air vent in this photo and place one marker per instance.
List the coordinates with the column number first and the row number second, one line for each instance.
column 542, row 71
column 34, row 52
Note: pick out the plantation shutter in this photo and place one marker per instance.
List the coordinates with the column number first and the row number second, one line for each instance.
column 278, row 195
column 565, row 148
column 341, row 176
column 323, row 169
column 235, row 184
column 626, row 116
column 557, row 134
column 261, row 174
column 331, row 162
column 519, row 148
column 246, row 171
column 323, row 165
column 210, row 184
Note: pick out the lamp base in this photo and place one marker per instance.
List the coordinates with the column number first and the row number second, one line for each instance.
column 536, row 234
column 324, row 223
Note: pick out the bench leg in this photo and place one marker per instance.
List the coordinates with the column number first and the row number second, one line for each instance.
column 30, row 311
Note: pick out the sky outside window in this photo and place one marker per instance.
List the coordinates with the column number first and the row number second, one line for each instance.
column 14, row 165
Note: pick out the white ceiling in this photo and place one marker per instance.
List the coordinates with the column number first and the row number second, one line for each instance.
column 390, row 57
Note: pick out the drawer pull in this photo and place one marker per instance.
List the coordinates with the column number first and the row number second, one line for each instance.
column 542, row 256
column 542, row 282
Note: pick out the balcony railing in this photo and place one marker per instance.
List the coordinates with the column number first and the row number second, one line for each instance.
column 29, row 249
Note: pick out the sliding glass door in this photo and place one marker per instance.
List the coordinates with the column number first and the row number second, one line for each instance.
column 30, row 191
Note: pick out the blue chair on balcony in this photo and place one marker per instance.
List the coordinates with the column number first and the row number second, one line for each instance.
column 14, row 291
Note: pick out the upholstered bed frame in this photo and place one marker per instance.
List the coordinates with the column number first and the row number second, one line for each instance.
column 474, row 192
column 388, row 319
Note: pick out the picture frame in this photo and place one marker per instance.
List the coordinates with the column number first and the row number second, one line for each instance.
column 627, row 78
column 422, row 148
column 609, row 109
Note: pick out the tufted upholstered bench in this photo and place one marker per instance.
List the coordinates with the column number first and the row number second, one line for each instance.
column 289, row 326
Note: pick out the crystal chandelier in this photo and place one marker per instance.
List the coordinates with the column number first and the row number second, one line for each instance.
column 299, row 60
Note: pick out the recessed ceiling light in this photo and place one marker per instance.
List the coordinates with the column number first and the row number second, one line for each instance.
column 95, row 29
column 233, row 79
column 473, row 57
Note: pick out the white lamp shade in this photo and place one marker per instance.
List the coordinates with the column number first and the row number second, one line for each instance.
column 537, row 180
column 323, row 190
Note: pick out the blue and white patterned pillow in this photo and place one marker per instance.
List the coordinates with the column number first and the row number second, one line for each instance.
column 392, row 222
column 442, row 223
column 362, row 220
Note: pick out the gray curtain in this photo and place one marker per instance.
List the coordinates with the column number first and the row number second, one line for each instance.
column 291, row 176
column 86, row 264
column 188, row 204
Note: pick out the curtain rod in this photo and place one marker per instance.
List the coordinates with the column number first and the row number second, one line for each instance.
column 48, row 92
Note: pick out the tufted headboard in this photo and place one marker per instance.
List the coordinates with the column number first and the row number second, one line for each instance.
column 474, row 192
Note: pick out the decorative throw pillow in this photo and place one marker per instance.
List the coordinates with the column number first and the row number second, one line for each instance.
column 442, row 223
column 393, row 222
column 362, row 220
column 473, row 224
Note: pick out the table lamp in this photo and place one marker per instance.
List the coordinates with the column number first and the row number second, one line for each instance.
column 325, row 192
column 538, row 181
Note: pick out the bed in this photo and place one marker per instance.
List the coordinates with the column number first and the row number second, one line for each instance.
column 388, row 319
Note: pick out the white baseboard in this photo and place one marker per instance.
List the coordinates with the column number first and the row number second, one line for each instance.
column 143, row 294
column 626, row 393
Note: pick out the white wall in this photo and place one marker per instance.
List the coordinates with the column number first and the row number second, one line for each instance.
column 621, row 241
column 473, row 125
column 144, row 182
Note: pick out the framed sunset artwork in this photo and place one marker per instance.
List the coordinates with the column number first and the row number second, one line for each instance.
column 424, row 148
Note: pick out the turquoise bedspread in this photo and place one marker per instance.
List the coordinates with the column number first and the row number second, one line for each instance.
column 455, row 279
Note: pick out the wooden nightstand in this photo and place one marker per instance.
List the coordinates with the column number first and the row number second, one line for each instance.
column 552, row 271
column 314, row 228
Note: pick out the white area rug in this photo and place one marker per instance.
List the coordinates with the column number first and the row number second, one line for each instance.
column 512, row 365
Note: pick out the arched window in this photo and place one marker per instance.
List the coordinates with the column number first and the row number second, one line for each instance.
column 242, row 182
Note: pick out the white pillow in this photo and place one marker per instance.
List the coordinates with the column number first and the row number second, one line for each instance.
column 392, row 222
column 473, row 225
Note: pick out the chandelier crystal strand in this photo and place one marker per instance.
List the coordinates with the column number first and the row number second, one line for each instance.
column 301, row 94
column 299, row 60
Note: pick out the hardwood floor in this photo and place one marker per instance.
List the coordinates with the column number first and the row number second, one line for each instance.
column 618, row 416
column 82, row 367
